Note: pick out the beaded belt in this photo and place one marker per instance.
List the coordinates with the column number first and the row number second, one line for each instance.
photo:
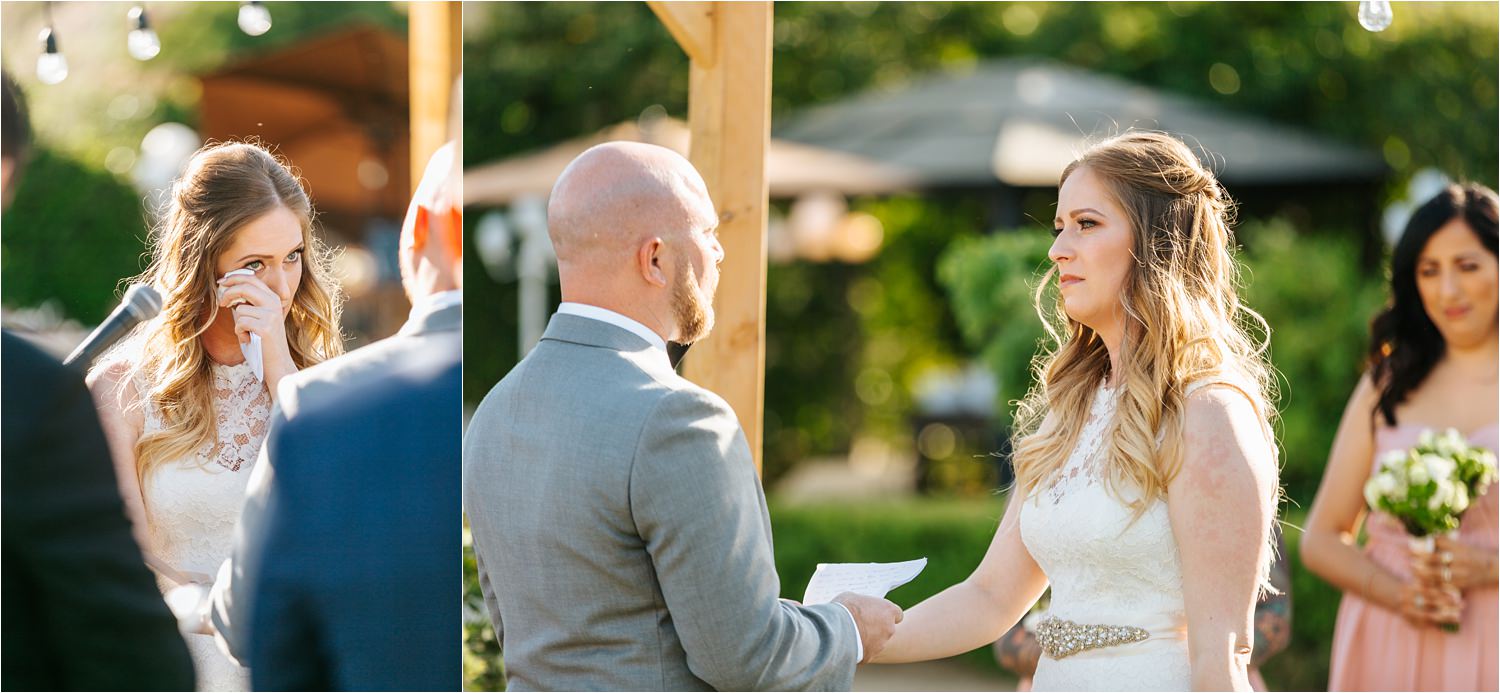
column 1060, row 638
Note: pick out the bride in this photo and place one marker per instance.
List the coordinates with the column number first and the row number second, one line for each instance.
column 1146, row 479
column 182, row 408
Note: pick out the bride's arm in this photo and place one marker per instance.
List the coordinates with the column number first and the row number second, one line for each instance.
column 1222, row 503
column 977, row 611
column 114, row 396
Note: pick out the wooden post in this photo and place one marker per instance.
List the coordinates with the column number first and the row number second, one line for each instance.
column 729, row 115
column 434, row 56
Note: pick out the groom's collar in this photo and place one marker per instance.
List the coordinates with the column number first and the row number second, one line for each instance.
column 584, row 310
column 593, row 329
column 434, row 313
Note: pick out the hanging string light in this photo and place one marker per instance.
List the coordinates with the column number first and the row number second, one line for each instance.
column 142, row 42
column 51, row 66
column 255, row 19
column 1375, row 15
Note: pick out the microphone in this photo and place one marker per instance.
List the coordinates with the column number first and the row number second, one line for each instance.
column 141, row 303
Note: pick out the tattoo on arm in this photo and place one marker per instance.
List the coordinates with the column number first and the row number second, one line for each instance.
column 1018, row 651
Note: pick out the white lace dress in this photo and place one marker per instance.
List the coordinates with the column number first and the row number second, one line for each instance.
column 192, row 505
column 1107, row 571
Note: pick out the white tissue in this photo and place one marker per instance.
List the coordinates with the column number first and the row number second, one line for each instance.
column 252, row 350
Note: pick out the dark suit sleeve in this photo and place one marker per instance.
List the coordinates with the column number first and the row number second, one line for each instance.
column 66, row 532
column 285, row 650
column 699, row 506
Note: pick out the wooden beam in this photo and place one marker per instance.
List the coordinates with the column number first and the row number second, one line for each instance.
column 692, row 24
column 435, row 57
column 729, row 114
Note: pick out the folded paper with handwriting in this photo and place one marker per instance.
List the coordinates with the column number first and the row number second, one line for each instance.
column 870, row 579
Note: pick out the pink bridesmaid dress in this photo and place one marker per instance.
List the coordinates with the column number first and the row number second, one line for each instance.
column 1378, row 650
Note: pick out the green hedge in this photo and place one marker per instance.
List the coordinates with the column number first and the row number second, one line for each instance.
column 71, row 233
column 953, row 535
column 1318, row 299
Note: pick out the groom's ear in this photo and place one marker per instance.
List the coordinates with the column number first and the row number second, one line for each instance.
column 649, row 259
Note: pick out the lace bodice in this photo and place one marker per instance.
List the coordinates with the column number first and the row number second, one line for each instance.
column 1103, row 567
column 1106, row 569
column 193, row 504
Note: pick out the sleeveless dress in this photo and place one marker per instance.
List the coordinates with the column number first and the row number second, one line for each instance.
column 1375, row 649
column 1106, row 570
column 193, row 504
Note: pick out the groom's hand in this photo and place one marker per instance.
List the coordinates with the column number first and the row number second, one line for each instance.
column 876, row 619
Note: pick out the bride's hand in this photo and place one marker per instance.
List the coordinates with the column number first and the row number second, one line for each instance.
column 1455, row 563
column 178, row 577
column 197, row 578
column 258, row 310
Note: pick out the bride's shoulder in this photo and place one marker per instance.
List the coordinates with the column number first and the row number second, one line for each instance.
column 1214, row 407
column 1223, row 417
column 1224, row 390
column 115, row 383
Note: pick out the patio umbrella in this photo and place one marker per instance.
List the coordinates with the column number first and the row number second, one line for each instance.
column 791, row 167
column 1018, row 122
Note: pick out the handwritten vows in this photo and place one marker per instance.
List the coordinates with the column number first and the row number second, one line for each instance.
column 869, row 579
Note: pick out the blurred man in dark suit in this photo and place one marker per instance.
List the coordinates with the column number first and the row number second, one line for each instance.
column 82, row 612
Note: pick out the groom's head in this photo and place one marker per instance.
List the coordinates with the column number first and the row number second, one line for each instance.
column 635, row 232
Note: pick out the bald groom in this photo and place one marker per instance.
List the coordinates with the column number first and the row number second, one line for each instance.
column 621, row 531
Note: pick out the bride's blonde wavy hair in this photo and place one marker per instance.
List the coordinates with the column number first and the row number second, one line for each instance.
column 1184, row 322
column 224, row 187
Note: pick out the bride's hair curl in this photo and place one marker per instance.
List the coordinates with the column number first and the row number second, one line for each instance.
column 224, row 187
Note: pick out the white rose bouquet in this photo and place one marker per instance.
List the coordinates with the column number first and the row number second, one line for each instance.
column 1428, row 487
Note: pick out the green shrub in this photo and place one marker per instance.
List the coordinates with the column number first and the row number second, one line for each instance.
column 952, row 534
column 1319, row 300
column 71, row 234
column 991, row 282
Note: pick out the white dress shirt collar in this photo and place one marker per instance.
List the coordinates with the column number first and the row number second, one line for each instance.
column 605, row 315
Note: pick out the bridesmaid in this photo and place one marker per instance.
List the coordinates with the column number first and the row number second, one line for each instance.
column 1433, row 364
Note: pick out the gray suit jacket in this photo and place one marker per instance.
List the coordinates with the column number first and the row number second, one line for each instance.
column 622, row 535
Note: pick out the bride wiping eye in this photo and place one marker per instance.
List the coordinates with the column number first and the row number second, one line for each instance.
column 204, row 404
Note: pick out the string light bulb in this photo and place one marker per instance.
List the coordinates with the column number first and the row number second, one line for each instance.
column 255, row 19
column 1375, row 15
column 51, row 66
column 142, row 42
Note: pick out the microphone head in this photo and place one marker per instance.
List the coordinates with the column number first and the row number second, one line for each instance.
column 141, row 303
column 142, row 300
